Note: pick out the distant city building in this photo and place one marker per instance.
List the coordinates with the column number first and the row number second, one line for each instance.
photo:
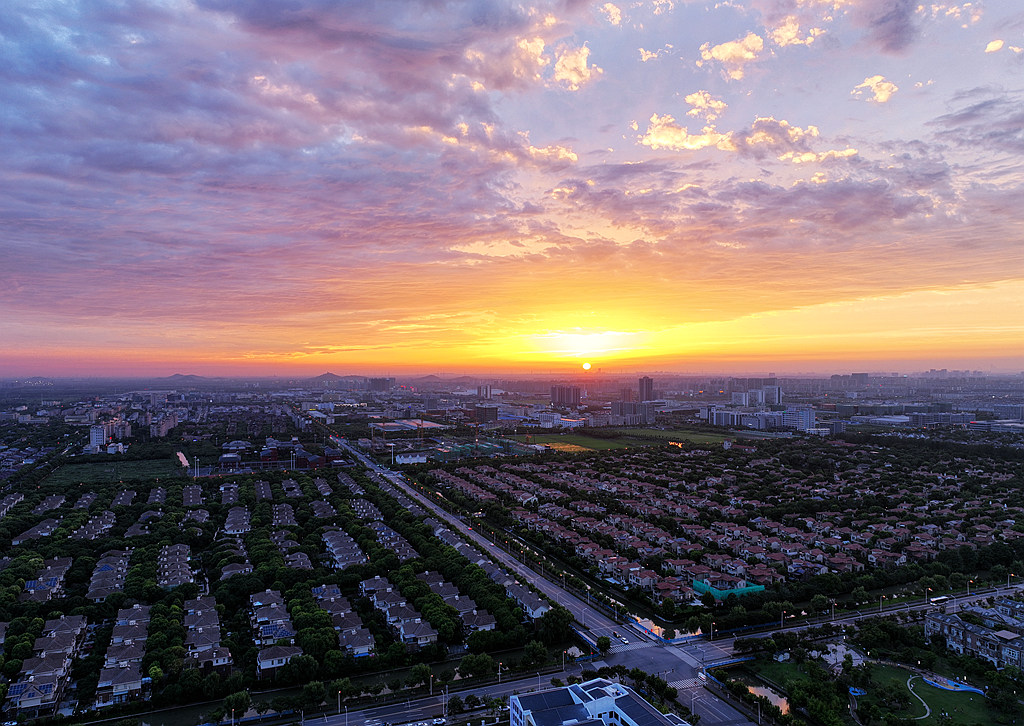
column 484, row 392
column 1009, row 411
column 566, row 396
column 485, row 414
column 772, row 395
column 646, row 389
column 633, row 414
column 97, row 437
column 800, row 419
column 380, row 385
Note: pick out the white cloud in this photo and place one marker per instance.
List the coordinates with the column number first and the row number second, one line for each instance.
column 734, row 54
column 704, row 104
column 612, row 13
column 665, row 133
column 881, row 89
column 788, row 33
column 994, row 46
column 572, row 70
column 646, row 55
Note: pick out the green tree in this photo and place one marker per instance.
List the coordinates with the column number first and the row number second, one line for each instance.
column 534, row 652
column 419, row 675
column 239, row 702
column 313, row 694
column 604, row 644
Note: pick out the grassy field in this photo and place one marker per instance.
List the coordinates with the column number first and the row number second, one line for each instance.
column 623, row 439
column 695, row 437
column 574, row 442
column 71, row 474
column 963, row 708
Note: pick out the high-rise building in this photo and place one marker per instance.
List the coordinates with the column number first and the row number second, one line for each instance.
column 646, row 389
column 772, row 395
column 567, row 396
column 97, row 437
column 380, row 385
column 484, row 391
column 800, row 419
column 485, row 414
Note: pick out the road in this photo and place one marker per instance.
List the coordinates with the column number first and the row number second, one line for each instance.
column 679, row 664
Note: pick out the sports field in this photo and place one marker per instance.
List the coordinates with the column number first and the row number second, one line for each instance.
column 619, row 439
column 71, row 474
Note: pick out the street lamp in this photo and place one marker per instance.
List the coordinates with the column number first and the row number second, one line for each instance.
column 782, row 616
column 563, row 660
column 969, row 583
column 499, row 673
column 232, row 717
column 712, row 631
column 339, row 702
column 431, row 684
column 880, row 598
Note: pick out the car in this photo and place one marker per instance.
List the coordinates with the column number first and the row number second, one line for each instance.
column 623, row 639
column 439, row 722
column 615, row 634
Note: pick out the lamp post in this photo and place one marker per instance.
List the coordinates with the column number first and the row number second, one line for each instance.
column 563, row 660
column 880, row 598
column 782, row 617
column 969, row 583
column 499, row 675
column 431, row 684
column 339, row 703
column 232, row 717
column 346, row 715
column 712, row 631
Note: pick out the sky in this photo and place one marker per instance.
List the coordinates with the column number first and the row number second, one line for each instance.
column 234, row 187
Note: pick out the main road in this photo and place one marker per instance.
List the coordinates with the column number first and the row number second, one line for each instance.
column 632, row 647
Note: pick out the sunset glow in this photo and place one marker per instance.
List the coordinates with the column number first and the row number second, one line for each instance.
column 228, row 187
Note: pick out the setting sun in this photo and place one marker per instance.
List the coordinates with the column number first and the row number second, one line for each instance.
column 586, row 366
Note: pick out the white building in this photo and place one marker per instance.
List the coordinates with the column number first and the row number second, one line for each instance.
column 597, row 702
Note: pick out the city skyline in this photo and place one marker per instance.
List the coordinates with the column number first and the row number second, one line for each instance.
column 800, row 186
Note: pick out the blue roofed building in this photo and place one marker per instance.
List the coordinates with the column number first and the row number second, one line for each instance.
column 597, row 702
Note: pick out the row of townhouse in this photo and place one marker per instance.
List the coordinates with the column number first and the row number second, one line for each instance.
column 172, row 566
column 39, row 687
column 121, row 679
column 473, row 616
column 48, row 582
column 990, row 634
column 273, row 632
column 342, row 549
column 353, row 636
column 287, row 546
column 202, row 637
column 393, row 541
column 406, row 621
column 97, row 526
column 109, row 575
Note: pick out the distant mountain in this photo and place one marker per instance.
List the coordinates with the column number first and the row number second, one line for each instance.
column 182, row 378
column 427, row 379
column 328, row 377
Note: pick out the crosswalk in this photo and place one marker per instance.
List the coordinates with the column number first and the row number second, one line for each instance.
column 636, row 645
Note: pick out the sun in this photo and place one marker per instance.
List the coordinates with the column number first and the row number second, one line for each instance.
column 586, row 366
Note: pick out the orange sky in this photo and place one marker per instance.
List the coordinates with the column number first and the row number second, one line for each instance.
column 265, row 189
